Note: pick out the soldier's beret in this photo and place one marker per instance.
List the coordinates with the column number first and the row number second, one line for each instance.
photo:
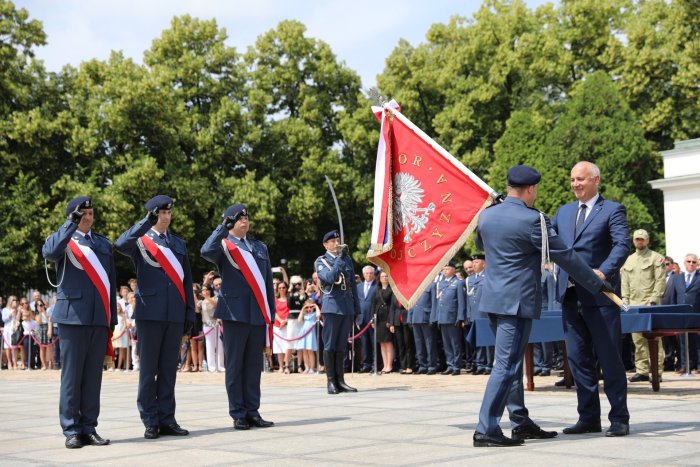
column 81, row 202
column 159, row 202
column 479, row 256
column 236, row 211
column 330, row 235
column 641, row 233
column 523, row 175
column 451, row 264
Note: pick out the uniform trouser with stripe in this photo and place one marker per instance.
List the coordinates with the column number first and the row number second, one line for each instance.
column 82, row 356
column 505, row 385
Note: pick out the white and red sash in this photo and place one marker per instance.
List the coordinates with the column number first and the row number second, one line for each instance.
column 167, row 260
column 245, row 261
column 98, row 276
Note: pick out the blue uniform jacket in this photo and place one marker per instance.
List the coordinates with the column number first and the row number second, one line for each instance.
column 472, row 285
column 157, row 297
column 78, row 301
column 339, row 292
column 449, row 303
column 420, row 313
column 513, row 245
column 602, row 243
column 237, row 302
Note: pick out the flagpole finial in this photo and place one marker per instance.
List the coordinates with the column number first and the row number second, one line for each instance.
column 374, row 94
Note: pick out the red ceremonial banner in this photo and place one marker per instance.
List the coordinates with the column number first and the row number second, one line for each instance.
column 426, row 205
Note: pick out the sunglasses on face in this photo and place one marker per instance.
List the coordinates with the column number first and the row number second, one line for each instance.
column 690, row 261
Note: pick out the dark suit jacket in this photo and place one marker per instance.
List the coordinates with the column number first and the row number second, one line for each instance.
column 602, row 242
column 668, row 291
column 681, row 295
column 365, row 302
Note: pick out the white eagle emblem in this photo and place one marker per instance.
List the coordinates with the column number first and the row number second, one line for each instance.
column 407, row 214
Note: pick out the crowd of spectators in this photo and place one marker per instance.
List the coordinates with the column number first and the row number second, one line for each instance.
column 30, row 339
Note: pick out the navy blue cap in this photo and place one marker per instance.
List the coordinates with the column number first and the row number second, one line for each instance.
column 159, row 202
column 81, row 202
column 331, row 235
column 236, row 211
column 523, row 175
column 451, row 264
column 479, row 256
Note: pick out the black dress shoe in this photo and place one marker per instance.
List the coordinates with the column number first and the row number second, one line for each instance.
column 456, row 373
column 635, row 378
column 74, row 442
column 343, row 387
column 422, row 371
column 560, row 383
column 93, row 439
column 431, row 372
column 241, row 424
column 259, row 422
column 331, row 387
column 536, row 372
column 531, row 432
column 618, row 429
column 151, row 432
column 487, row 371
column 582, row 427
column 173, row 430
column 446, row 372
column 545, row 373
column 500, row 440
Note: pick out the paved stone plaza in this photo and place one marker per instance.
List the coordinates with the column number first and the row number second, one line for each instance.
column 393, row 420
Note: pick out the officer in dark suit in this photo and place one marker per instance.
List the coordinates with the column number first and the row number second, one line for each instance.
column 246, row 307
column 596, row 229
column 449, row 310
column 85, row 310
column 340, row 306
column 483, row 358
column 513, row 235
column 366, row 290
column 164, row 312
column 424, row 333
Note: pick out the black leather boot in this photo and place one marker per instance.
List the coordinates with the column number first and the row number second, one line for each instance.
column 329, row 360
column 340, row 373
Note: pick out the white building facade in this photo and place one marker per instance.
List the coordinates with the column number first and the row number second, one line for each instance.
column 681, row 188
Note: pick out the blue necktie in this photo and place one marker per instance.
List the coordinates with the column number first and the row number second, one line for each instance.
column 688, row 280
column 581, row 218
column 89, row 239
column 165, row 239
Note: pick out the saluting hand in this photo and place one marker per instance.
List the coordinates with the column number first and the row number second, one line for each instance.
column 75, row 216
column 152, row 216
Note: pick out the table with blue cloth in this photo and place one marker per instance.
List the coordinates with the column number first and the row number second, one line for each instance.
column 651, row 321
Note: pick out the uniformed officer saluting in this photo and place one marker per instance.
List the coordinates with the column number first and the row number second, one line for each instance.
column 246, row 306
column 339, row 307
column 164, row 311
column 85, row 310
column 513, row 236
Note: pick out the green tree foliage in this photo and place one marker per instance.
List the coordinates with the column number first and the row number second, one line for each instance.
column 599, row 126
column 602, row 80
